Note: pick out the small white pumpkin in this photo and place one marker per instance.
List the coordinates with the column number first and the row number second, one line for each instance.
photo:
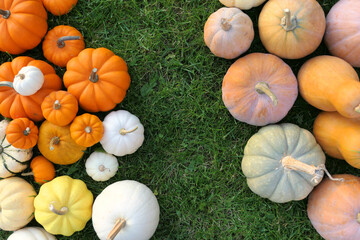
column 12, row 160
column 242, row 4
column 123, row 133
column 28, row 81
column 31, row 233
column 125, row 210
column 101, row 166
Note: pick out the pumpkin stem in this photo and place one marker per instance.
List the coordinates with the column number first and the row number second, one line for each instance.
column 264, row 88
column 358, row 218
column 93, row 76
column 27, row 131
column 124, row 132
column 88, row 129
column 288, row 22
column 5, row 13
column 6, row 84
column 322, row 167
column 293, row 164
column 27, row 174
column 120, row 224
column 54, row 141
column 62, row 211
column 357, row 109
column 225, row 25
column 102, row 168
column 61, row 41
column 57, row 105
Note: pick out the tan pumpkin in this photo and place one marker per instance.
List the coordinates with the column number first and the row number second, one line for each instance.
column 242, row 4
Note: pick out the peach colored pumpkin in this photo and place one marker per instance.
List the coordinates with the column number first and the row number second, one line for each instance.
column 242, row 4
column 342, row 31
column 334, row 208
column 291, row 29
column 259, row 89
column 228, row 32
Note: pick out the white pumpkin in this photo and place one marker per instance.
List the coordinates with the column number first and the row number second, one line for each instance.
column 28, row 81
column 101, row 166
column 31, row 233
column 123, row 133
column 12, row 160
column 125, row 210
column 242, row 4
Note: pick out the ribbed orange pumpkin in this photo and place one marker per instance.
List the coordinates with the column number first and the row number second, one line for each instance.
column 22, row 25
column 59, row 7
column 22, row 133
column 42, row 170
column 61, row 44
column 60, row 108
column 97, row 78
column 86, row 130
column 12, row 104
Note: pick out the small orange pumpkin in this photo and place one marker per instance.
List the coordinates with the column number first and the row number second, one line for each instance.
column 42, row 170
column 87, row 130
column 61, row 44
column 22, row 133
column 60, row 108
column 97, row 78
column 59, row 7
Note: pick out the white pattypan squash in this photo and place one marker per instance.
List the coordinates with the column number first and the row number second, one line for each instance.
column 28, row 81
column 101, row 166
column 31, row 233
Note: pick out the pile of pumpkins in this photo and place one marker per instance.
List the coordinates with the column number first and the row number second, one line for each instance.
column 283, row 162
column 31, row 95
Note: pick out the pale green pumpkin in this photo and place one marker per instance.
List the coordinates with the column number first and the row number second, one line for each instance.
column 283, row 162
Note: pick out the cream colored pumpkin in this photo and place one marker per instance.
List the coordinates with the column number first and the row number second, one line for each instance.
column 228, row 32
column 101, row 166
column 16, row 203
column 242, row 4
column 28, row 81
column 12, row 160
column 128, row 207
column 31, row 233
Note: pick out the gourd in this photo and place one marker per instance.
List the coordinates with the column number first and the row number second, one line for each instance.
column 59, row 7
column 338, row 136
column 42, row 170
column 334, row 208
column 123, row 133
column 330, row 84
column 291, row 29
column 342, row 29
column 16, row 203
column 22, row 133
column 31, row 233
column 12, row 160
column 15, row 102
column 101, row 166
column 256, row 94
column 63, row 205
column 56, row 144
column 23, row 24
column 97, row 78
column 228, row 32
column 61, row 44
column 86, row 130
column 283, row 162
column 125, row 210
column 242, row 4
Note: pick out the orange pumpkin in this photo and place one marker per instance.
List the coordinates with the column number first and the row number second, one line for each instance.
column 59, row 7
column 87, row 130
column 330, row 84
column 60, row 108
column 22, row 133
column 97, row 78
column 42, row 170
column 56, row 144
column 61, row 44
column 13, row 104
column 334, row 208
column 22, row 25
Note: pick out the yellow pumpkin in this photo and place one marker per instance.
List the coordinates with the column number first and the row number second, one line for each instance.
column 63, row 205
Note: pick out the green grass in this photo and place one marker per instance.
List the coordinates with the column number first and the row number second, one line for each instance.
column 191, row 156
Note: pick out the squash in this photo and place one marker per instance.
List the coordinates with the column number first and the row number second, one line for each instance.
column 338, row 136
column 334, row 208
column 16, row 103
column 42, row 170
column 12, row 160
column 342, row 29
column 291, row 29
column 22, row 133
column 242, row 4
column 123, row 133
column 31, row 233
column 60, row 107
column 16, row 203
column 125, row 210
column 228, row 32
column 61, row 44
column 101, row 166
column 87, row 130
column 63, row 205
column 97, row 78
column 283, row 162
column 330, row 84
column 59, row 7
column 56, row 144
column 23, row 23
column 256, row 94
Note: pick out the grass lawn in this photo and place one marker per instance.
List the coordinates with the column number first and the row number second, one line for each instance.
column 191, row 156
